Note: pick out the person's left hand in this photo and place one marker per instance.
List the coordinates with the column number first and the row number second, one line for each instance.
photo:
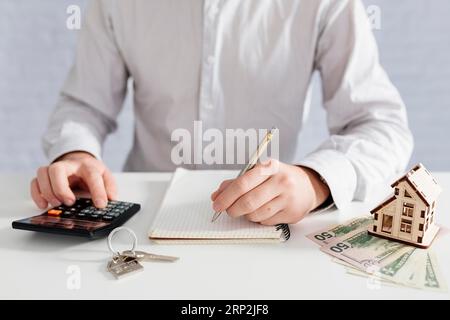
column 271, row 193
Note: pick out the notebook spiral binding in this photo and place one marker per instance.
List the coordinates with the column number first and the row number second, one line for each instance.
column 285, row 230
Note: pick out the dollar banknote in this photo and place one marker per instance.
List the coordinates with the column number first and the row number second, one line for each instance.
column 416, row 268
column 401, row 268
column 433, row 278
column 329, row 234
column 363, row 250
column 388, row 262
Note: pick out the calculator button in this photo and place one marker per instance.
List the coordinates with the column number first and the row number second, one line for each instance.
column 54, row 212
column 94, row 216
column 81, row 215
column 73, row 209
column 67, row 214
column 99, row 212
column 108, row 218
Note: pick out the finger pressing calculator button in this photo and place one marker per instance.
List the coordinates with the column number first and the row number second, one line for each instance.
column 54, row 212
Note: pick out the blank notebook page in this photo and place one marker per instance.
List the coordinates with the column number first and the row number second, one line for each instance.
column 186, row 211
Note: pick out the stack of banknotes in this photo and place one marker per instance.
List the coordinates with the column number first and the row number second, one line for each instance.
column 384, row 262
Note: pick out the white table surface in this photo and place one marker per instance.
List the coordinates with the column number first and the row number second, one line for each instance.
column 35, row 265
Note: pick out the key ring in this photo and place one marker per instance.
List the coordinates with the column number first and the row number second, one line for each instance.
column 112, row 233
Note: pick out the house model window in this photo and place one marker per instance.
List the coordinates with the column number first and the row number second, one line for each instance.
column 406, row 226
column 408, row 215
column 408, row 209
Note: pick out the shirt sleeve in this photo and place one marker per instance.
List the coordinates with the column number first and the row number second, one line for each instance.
column 369, row 137
column 93, row 93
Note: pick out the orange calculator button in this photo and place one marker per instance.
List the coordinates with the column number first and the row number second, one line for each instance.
column 54, row 212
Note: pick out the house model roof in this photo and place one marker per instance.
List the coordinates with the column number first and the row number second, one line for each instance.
column 423, row 182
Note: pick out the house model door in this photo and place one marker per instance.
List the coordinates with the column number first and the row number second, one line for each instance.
column 387, row 224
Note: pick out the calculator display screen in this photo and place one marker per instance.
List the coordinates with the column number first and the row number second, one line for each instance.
column 64, row 223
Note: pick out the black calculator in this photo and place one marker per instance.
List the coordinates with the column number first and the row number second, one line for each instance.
column 81, row 219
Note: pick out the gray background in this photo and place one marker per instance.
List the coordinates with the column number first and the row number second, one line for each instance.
column 36, row 51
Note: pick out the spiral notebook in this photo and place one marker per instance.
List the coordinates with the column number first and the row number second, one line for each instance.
column 186, row 211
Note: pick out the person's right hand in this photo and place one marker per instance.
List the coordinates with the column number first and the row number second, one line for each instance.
column 54, row 183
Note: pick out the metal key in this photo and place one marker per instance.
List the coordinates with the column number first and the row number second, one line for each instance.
column 121, row 266
column 145, row 256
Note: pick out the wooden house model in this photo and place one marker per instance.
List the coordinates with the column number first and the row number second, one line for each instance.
column 409, row 214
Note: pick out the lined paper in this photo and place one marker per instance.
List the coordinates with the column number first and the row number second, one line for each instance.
column 186, row 212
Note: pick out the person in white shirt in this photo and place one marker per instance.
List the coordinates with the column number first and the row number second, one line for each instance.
column 230, row 64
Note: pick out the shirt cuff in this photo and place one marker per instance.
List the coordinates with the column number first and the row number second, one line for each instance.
column 74, row 137
column 337, row 171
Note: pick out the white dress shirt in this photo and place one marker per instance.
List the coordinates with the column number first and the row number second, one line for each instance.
column 235, row 64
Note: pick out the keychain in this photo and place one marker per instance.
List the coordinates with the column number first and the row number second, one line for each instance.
column 127, row 262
